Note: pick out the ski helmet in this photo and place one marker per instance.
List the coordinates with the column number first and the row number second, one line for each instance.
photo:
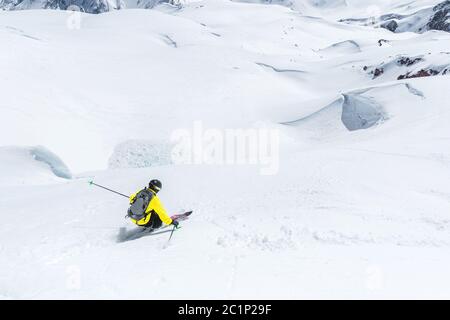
column 155, row 185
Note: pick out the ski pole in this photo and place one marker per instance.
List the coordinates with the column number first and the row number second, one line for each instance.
column 92, row 183
column 171, row 233
column 174, row 227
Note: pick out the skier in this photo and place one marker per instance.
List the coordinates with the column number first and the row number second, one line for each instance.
column 147, row 210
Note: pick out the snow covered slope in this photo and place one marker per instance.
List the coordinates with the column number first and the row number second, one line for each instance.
column 357, row 205
column 430, row 15
column 35, row 165
column 88, row 6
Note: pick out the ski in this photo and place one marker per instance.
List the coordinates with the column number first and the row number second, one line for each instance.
column 181, row 216
column 140, row 232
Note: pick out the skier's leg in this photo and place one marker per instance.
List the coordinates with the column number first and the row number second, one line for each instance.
column 154, row 222
column 157, row 223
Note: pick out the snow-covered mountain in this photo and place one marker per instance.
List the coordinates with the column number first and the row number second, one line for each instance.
column 349, row 198
column 431, row 17
column 88, row 6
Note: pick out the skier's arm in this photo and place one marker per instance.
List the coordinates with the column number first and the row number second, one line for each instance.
column 157, row 206
column 133, row 197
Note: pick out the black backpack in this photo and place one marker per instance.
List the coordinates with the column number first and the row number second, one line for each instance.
column 140, row 204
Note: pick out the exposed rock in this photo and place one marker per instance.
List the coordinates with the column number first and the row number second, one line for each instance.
column 405, row 67
column 378, row 72
column 390, row 25
column 382, row 41
column 88, row 6
column 407, row 61
column 441, row 18
column 419, row 74
column 431, row 18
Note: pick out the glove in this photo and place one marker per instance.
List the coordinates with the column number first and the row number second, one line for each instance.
column 175, row 223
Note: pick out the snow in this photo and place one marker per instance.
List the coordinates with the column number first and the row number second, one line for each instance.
column 359, row 205
column 31, row 165
column 416, row 16
column 141, row 154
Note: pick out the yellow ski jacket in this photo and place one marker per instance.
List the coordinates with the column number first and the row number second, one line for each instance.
column 155, row 206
